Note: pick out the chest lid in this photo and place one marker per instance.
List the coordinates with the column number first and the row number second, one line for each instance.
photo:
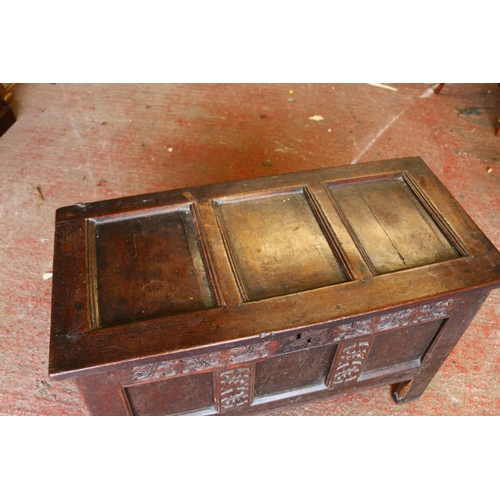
column 162, row 273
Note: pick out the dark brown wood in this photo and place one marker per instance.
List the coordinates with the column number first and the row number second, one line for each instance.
column 173, row 396
column 240, row 298
column 438, row 350
column 7, row 117
column 104, row 395
column 438, row 88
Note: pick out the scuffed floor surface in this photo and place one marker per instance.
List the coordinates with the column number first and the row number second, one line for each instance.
column 83, row 143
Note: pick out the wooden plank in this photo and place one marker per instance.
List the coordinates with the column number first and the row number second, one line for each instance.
column 393, row 227
column 278, row 246
column 150, row 266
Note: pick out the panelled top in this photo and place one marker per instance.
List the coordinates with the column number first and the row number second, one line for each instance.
column 149, row 275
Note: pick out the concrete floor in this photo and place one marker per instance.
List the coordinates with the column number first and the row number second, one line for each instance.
column 83, row 143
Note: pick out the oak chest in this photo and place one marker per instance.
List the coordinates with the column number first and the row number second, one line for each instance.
column 242, row 297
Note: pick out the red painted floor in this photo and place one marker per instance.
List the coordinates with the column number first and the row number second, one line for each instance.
column 82, row 143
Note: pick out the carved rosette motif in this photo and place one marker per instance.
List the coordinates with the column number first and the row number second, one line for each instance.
column 200, row 363
column 235, row 388
column 399, row 319
column 350, row 362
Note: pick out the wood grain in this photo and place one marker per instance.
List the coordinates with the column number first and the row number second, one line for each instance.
column 394, row 229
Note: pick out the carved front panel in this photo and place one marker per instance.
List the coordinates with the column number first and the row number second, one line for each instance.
column 234, row 389
column 399, row 319
column 200, row 362
column 350, row 363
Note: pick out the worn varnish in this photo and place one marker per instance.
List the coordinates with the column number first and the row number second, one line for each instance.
column 242, row 297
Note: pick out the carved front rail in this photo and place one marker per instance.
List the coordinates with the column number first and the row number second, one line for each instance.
column 234, row 369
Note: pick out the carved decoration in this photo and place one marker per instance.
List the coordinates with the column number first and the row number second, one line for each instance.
column 200, row 363
column 235, row 388
column 350, row 363
column 421, row 314
column 154, row 370
column 305, row 339
column 248, row 353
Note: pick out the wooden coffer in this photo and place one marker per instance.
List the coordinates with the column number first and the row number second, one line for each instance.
column 243, row 297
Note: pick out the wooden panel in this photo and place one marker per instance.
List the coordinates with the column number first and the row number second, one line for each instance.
column 234, row 388
column 349, row 362
column 400, row 346
column 392, row 226
column 304, row 368
column 446, row 339
column 174, row 396
column 276, row 245
column 148, row 267
column 69, row 297
column 104, row 394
